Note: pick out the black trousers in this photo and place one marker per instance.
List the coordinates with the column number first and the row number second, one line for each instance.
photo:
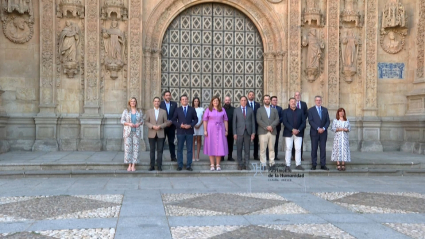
column 170, row 134
column 318, row 141
column 230, row 142
column 158, row 144
column 256, row 146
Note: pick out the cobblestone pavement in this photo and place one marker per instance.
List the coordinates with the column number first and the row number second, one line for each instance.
column 213, row 207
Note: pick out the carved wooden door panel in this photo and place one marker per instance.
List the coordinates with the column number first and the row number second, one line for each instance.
column 212, row 49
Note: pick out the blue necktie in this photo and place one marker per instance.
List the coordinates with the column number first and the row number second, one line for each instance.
column 320, row 112
column 168, row 108
column 184, row 111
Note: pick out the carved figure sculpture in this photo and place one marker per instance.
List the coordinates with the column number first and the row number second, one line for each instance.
column 392, row 43
column 349, row 53
column 393, row 15
column 114, row 47
column 69, row 41
column 314, row 52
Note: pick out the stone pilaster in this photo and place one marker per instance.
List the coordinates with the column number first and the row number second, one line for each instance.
column 294, row 47
column 280, row 80
column 4, row 144
column 147, row 76
column 269, row 74
column 371, row 135
column 333, row 55
column 135, row 51
column 155, row 74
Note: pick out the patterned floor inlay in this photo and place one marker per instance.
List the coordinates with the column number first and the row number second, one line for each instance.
column 212, row 204
column 378, row 202
column 305, row 231
column 59, row 207
column 96, row 233
column 416, row 231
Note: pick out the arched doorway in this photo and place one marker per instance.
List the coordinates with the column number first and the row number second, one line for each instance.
column 212, row 49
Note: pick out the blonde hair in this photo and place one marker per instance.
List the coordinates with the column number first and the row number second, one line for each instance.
column 128, row 104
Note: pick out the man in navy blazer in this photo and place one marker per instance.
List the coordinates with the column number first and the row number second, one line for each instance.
column 170, row 131
column 184, row 119
column 294, row 122
column 254, row 105
column 318, row 117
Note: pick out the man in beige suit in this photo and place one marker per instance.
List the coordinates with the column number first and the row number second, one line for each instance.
column 156, row 121
column 267, row 120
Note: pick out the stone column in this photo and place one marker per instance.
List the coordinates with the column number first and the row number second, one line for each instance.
column 147, row 76
column 90, row 121
column 46, row 120
column 135, row 51
column 269, row 73
column 281, row 81
column 4, row 144
column 294, row 47
column 156, row 74
column 371, row 122
column 333, row 55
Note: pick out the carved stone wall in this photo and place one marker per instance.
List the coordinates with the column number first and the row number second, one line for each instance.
column 87, row 57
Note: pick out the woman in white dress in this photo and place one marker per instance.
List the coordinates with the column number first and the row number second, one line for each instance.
column 341, row 148
column 199, row 128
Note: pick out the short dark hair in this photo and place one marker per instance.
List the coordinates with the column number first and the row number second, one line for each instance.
column 243, row 97
column 165, row 92
column 266, row 96
column 156, row 97
column 292, row 98
column 271, row 98
column 183, row 96
column 251, row 91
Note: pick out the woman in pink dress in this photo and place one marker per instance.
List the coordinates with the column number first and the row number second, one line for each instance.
column 215, row 131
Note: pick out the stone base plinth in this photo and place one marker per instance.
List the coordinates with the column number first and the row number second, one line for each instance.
column 45, row 145
column 90, row 145
column 371, row 146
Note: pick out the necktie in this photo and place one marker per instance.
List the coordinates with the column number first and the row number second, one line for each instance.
column 320, row 112
column 251, row 105
column 298, row 104
column 243, row 111
column 184, row 111
column 168, row 108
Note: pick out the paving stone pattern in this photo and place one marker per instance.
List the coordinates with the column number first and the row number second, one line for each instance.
column 416, row 231
column 47, row 207
column 26, row 235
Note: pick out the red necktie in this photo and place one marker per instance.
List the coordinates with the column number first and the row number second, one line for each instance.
column 298, row 104
column 243, row 111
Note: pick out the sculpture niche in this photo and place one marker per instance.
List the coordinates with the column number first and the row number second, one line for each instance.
column 350, row 14
column 350, row 47
column 114, row 6
column 114, row 46
column 312, row 13
column 69, row 41
column 393, row 27
column 17, row 27
column 314, row 53
column 75, row 7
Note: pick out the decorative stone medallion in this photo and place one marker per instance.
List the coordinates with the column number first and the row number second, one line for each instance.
column 18, row 29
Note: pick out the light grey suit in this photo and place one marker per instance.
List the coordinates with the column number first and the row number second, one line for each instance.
column 267, row 138
column 243, row 127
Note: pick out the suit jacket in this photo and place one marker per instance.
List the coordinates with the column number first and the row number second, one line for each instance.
column 304, row 109
column 315, row 121
column 280, row 113
column 126, row 118
column 256, row 107
column 288, row 122
column 240, row 122
column 150, row 121
column 173, row 107
column 229, row 113
column 263, row 120
column 191, row 118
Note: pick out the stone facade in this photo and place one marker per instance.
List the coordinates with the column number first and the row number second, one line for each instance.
column 68, row 67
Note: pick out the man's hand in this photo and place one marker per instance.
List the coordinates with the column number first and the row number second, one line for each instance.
column 269, row 128
column 235, row 136
column 321, row 130
column 252, row 137
column 295, row 131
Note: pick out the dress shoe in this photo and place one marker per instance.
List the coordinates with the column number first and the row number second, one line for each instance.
column 324, row 168
column 256, row 158
column 276, row 159
column 244, row 167
column 230, row 159
column 299, row 167
column 179, row 169
column 173, row 159
column 313, row 167
column 159, row 168
column 152, row 168
column 239, row 167
column 288, row 169
column 189, row 169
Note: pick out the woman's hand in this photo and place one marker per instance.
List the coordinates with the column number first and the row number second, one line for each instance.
column 226, row 133
column 205, row 133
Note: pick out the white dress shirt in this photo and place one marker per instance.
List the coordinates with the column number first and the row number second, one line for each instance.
column 268, row 111
column 156, row 113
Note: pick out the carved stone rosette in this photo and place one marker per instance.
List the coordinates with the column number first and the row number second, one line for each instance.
column 393, row 27
column 114, row 6
column 18, row 20
column 74, row 7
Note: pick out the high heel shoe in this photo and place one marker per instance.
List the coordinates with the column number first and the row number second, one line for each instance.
column 338, row 166
column 218, row 167
column 343, row 167
column 212, row 167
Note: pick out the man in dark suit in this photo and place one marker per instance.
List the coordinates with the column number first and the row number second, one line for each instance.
column 294, row 122
column 303, row 107
column 229, row 111
column 254, row 105
column 170, row 131
column 184, row 119
column 243, row 131
column 318, row 117
column 278, row 127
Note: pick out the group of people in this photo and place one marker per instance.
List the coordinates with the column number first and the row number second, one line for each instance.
column 221, row 125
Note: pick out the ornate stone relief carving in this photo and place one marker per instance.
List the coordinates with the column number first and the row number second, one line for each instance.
column 274, row 1
column 420, row 41
column 91, row 65
column 69, row 43
column 312, row 13
column 350, row 14
column 18, row 20
column 350, row 44
column 114, row 49
column 393, row 27
column 114, row 6
column 70, row 8
column 47, row 47
column 135, row 49
column 371, row 55
column 314, row 46
column 294, row 47
column 332, row 51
